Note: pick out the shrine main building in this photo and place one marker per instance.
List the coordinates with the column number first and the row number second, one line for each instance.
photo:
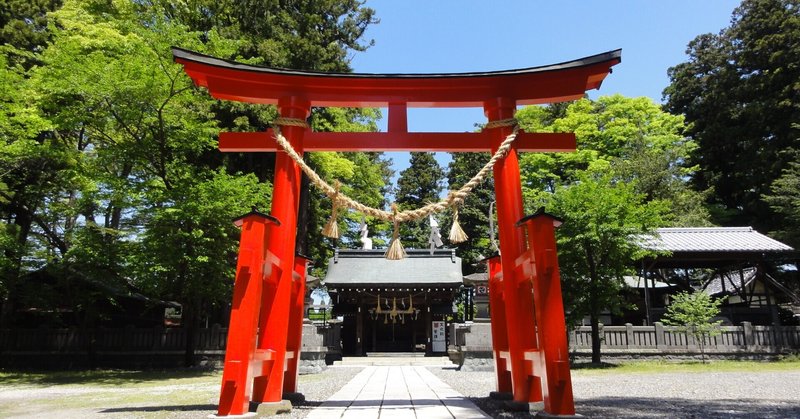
column 394, row 305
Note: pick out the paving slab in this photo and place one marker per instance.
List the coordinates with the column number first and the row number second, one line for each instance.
column 396, row 392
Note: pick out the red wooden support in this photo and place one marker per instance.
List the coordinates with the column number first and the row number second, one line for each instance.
column 518, row 302
column 296, row 316
column 276, row 301
column 398, row 117
column 253, row 266
column 551, row 362
column 502, row 368
column 483, row 141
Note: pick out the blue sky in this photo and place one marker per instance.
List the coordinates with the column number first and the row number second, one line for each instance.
column 441, row 36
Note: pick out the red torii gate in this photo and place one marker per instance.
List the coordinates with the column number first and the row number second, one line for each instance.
column 528, row 328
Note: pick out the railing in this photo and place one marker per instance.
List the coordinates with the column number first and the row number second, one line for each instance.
column 744, row 338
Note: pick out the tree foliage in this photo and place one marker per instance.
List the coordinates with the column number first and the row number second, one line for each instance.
column 785, row 200
column 109, row 160
column 639, row 140
column 597, row 243
column 420, row 184
column 23, row 28
column 693, row 313
column 740, row 95
column 473, row 214
column 366, row 177
column 627, row 177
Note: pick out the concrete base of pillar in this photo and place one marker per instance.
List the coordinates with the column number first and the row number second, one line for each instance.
column 515, row 406
column 268, row 409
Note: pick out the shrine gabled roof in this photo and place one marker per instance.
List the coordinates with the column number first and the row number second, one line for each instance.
column 714, row 239
column 534, row 85
column 371, row 268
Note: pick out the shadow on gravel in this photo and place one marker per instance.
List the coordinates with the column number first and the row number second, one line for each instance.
column 592, row 366
column 182, row 408
column 98, row 377
column 651, row 407
column 636, row 407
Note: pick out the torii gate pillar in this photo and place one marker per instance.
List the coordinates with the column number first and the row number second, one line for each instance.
column 277, row 305
column 519, row 320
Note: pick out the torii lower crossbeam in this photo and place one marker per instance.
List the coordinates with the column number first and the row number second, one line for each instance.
column 397, row 141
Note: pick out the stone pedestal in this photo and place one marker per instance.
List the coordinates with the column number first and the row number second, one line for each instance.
column 473, row 349
column 313, row 352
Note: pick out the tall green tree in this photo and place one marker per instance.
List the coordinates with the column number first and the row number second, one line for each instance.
column 23, row 28
column 420, row 184
column 32, row 167
column 473, row 214
column 597, row 243
column 739, row 93
column 627, row 177
column 641, row 142
column 785, row 200
column 299, row 34
column 306, row 35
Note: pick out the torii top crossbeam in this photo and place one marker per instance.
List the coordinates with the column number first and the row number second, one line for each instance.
column 230, row 80
column 528, row 86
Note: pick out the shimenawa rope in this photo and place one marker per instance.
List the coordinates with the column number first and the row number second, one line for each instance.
column 452, row 200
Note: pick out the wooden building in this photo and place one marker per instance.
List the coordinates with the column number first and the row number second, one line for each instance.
column 729, row 262
column 394, row 305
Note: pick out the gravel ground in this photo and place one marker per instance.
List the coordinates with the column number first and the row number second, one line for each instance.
column 598, row 394
column 768, row 394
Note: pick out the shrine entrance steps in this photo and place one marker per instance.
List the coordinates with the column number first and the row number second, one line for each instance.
column 385, row 392
column 395, row 359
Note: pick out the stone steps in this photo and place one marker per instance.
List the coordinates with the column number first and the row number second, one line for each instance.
column 395, row 359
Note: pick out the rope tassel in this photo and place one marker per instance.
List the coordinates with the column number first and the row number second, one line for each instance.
column 457, row 234
column 331, row 229
column 396, row 251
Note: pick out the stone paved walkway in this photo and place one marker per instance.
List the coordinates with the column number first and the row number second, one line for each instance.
column 393, row 392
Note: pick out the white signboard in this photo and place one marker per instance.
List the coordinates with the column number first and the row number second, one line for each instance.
column 438, row 338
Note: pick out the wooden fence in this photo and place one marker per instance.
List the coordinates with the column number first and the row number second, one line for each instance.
column 130, row 347
column 133, row 347
column 127, row 339
column 743, row 338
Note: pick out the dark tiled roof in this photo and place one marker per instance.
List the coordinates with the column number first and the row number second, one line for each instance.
column 478, row 276
column 351, row 267
column 730, row 282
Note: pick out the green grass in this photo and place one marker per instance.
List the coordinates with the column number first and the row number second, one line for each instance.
column 790, row 363
column 108, row 377
column 116, row 393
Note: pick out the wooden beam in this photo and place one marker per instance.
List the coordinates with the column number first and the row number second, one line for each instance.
column 240, row 142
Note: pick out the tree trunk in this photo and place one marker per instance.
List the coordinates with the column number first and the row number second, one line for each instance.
column 595, row 323
column 594, row 303
column 22, row 222
column 191, row 322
